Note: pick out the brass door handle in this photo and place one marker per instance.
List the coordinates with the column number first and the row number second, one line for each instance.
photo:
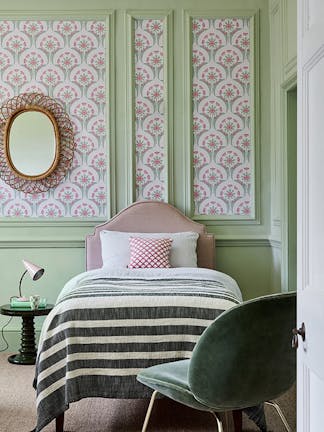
column 301, row 332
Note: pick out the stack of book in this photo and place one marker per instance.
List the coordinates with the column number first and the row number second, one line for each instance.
column 25, row 304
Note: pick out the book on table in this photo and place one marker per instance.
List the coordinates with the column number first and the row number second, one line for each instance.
column 26, row 304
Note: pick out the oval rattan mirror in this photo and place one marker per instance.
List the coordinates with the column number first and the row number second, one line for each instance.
column 36, row 142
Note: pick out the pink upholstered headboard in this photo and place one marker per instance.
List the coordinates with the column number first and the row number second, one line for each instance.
column 151, row 216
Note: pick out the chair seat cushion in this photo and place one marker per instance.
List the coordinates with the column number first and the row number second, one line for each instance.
column 171, row 379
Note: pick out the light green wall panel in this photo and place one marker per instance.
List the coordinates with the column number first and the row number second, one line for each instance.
column 290, row 23
column 13, row 339
column 251, row 267
column 121, row 157
column 276, row 274
column 60, row 265
column 58, row 245
column 283, row 51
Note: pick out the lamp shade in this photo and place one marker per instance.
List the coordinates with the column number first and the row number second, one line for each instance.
column 34, row 271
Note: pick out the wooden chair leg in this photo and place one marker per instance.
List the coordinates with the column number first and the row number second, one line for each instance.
column 59, row 423
column 237, row 418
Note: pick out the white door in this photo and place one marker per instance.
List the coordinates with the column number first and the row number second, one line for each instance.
column 310, row 216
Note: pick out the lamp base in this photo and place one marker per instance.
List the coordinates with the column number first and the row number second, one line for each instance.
column 21, row 359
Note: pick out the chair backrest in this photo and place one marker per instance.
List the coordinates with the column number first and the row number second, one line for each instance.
column 245, row 356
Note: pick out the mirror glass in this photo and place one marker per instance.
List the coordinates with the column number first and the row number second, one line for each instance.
column 32, row 143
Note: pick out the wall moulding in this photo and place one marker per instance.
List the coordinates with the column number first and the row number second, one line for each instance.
column 263, row 242
column 45, row 231
column 150, row 104
column 88, row 76
column 245, row 206
column 274, row 7
column 288, row 13
column 19, row 223
column 276, row 244
column 290, row 68
column 79, row 244
column 286, row 223
column 45, row 244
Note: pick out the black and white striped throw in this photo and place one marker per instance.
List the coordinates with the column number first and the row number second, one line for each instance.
column 103, row 331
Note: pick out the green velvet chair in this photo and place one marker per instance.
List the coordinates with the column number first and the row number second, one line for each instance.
column 243, row 359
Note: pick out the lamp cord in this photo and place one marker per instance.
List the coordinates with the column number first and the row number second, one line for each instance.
column 3, row 336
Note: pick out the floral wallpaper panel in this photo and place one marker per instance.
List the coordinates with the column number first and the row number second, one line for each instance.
column 64, row 59
column 149, row 109
column 223, row 153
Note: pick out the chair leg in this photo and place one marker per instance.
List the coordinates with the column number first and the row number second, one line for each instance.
column 280, row 413
column 227, row 420
column 219, row 423
column 149, row 410
column 59, row 423
column 238, row 421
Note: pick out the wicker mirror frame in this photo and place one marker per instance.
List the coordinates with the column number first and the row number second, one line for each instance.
column 64, row 142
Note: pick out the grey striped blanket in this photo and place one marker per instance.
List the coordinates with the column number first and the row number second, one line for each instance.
column 104, row 330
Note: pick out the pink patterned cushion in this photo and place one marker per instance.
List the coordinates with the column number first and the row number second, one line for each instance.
column 149, row 252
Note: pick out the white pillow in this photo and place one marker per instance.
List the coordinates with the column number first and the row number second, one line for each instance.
column 115, row 248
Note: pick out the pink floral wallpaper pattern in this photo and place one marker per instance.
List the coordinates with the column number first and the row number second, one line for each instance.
column 149, row 109
column 67, row 61
column 223, row 157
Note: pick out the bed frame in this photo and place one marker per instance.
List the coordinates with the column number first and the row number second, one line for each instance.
column 149, row 217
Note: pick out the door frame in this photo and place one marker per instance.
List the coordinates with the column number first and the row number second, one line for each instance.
column 286, row 87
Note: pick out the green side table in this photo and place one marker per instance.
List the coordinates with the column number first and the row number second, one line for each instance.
column 28, row 351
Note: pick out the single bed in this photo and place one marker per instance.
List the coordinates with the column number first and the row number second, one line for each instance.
column 109, row 322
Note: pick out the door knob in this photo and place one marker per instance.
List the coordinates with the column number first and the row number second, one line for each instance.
column 301, row 332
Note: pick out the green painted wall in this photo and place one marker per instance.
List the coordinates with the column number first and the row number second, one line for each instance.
column 243, row 249
column 250, row 266
column 283, row 53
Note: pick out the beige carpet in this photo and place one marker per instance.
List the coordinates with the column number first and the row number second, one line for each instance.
column 17, row 410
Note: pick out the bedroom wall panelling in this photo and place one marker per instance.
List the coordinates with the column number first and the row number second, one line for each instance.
column 222, row 57
column 67, row 55
column 242, row 246
column 227, row 225
column 64, row 58
column 60, row 264
column 276, row 72
column 283, row 48
column 150, row 63
column 237, row 258
column 289, row 143
column 276, row 175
